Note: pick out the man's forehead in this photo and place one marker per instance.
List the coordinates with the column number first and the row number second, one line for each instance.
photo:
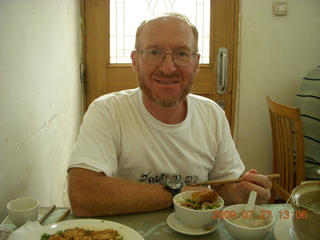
column 164, row 31
column 167, row 20
column 166, row 25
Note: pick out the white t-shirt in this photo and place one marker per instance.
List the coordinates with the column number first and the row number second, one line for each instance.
column 121, row 138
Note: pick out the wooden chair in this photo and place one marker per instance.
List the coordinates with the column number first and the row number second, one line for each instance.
column 288, row 149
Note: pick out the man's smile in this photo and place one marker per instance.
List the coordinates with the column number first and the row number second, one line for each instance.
column 166, row 82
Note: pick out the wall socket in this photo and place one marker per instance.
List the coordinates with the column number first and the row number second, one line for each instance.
column 280, row 8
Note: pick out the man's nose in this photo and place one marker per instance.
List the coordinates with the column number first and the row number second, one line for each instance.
column 167, row 65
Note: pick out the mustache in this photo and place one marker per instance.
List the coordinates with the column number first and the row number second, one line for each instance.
column 162, row 75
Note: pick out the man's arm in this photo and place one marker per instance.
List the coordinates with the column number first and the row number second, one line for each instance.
column 95, row 194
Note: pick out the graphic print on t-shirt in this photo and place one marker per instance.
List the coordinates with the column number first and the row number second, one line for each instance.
column 163, row 177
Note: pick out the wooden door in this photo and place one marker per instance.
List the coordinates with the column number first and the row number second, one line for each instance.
column 103, row 77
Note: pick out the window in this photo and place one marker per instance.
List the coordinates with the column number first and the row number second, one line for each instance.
column 124, row 21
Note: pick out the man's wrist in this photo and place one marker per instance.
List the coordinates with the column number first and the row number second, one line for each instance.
column 172, row 191
column 173, row 186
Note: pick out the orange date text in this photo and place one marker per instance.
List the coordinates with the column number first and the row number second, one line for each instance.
column 264, row 214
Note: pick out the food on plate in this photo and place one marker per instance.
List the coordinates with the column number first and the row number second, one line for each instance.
column 83, row 234
column 202, row 200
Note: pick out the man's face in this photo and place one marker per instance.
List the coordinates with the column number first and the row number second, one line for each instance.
column 166, row 83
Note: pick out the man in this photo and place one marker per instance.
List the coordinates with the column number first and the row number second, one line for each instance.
column 132, row 142
column 308, row 100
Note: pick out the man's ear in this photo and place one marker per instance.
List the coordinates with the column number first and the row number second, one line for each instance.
column 197, row 67
column 134, row 61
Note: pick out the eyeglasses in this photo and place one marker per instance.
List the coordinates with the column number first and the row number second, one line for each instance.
column 155, row 56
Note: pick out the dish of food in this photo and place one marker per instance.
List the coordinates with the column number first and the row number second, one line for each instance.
column 85, row 234
column 99, row 226
column 202, row 200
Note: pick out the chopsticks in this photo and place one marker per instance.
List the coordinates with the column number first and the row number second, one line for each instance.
column 50, row 210
column 66, row 213
column 236, row 180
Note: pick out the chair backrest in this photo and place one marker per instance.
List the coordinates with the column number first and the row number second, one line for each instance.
column 288, row 148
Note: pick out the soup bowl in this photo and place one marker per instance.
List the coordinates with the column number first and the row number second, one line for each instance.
column 244, row 225
column 305, row 200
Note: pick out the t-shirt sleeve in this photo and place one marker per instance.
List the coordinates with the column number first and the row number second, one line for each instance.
column 228, row 163
column 96, row 144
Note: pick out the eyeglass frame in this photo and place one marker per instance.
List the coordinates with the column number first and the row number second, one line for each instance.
column 164, row 54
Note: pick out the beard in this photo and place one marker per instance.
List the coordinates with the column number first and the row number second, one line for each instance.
column 163, row 99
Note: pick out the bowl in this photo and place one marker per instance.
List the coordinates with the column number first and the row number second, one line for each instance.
column 21, row 210
column 305, row 200
column 259, row 226
column 192, row 217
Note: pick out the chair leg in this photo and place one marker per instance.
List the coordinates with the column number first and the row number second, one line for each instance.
column 273, row 195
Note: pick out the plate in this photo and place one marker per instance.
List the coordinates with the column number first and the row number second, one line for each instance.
column 175, row 223
column 126, row 232
column 283, row 230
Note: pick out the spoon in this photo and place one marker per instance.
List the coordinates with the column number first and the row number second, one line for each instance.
column 248, row 210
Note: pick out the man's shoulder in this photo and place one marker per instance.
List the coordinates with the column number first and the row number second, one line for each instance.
column 202, row 101
column 128, row 93
column 313, row 74
column 114, row 101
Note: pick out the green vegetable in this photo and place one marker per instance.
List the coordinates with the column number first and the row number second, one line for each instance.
column 45, row 236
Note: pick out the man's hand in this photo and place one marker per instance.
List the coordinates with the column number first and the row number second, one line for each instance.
column 254, row 182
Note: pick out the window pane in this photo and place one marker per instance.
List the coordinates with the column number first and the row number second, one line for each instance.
column 126, row 15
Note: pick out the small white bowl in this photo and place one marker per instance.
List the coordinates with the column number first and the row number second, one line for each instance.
column 192, row 217
column 247, row 233
column 21, row 210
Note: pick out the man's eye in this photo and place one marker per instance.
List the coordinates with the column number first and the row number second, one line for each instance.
column 182, row 54
column 154, row 52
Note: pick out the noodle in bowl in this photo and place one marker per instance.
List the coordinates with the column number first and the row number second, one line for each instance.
column 192, row 217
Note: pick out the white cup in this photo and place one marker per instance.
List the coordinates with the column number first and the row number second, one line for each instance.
column 21, row 210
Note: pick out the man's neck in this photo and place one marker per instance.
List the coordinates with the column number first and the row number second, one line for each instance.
column 168, row 115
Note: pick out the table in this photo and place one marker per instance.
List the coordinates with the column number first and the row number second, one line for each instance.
column 154, row 226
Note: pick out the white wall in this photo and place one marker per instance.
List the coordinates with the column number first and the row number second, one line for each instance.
column 275, row 53
column 40, row 97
